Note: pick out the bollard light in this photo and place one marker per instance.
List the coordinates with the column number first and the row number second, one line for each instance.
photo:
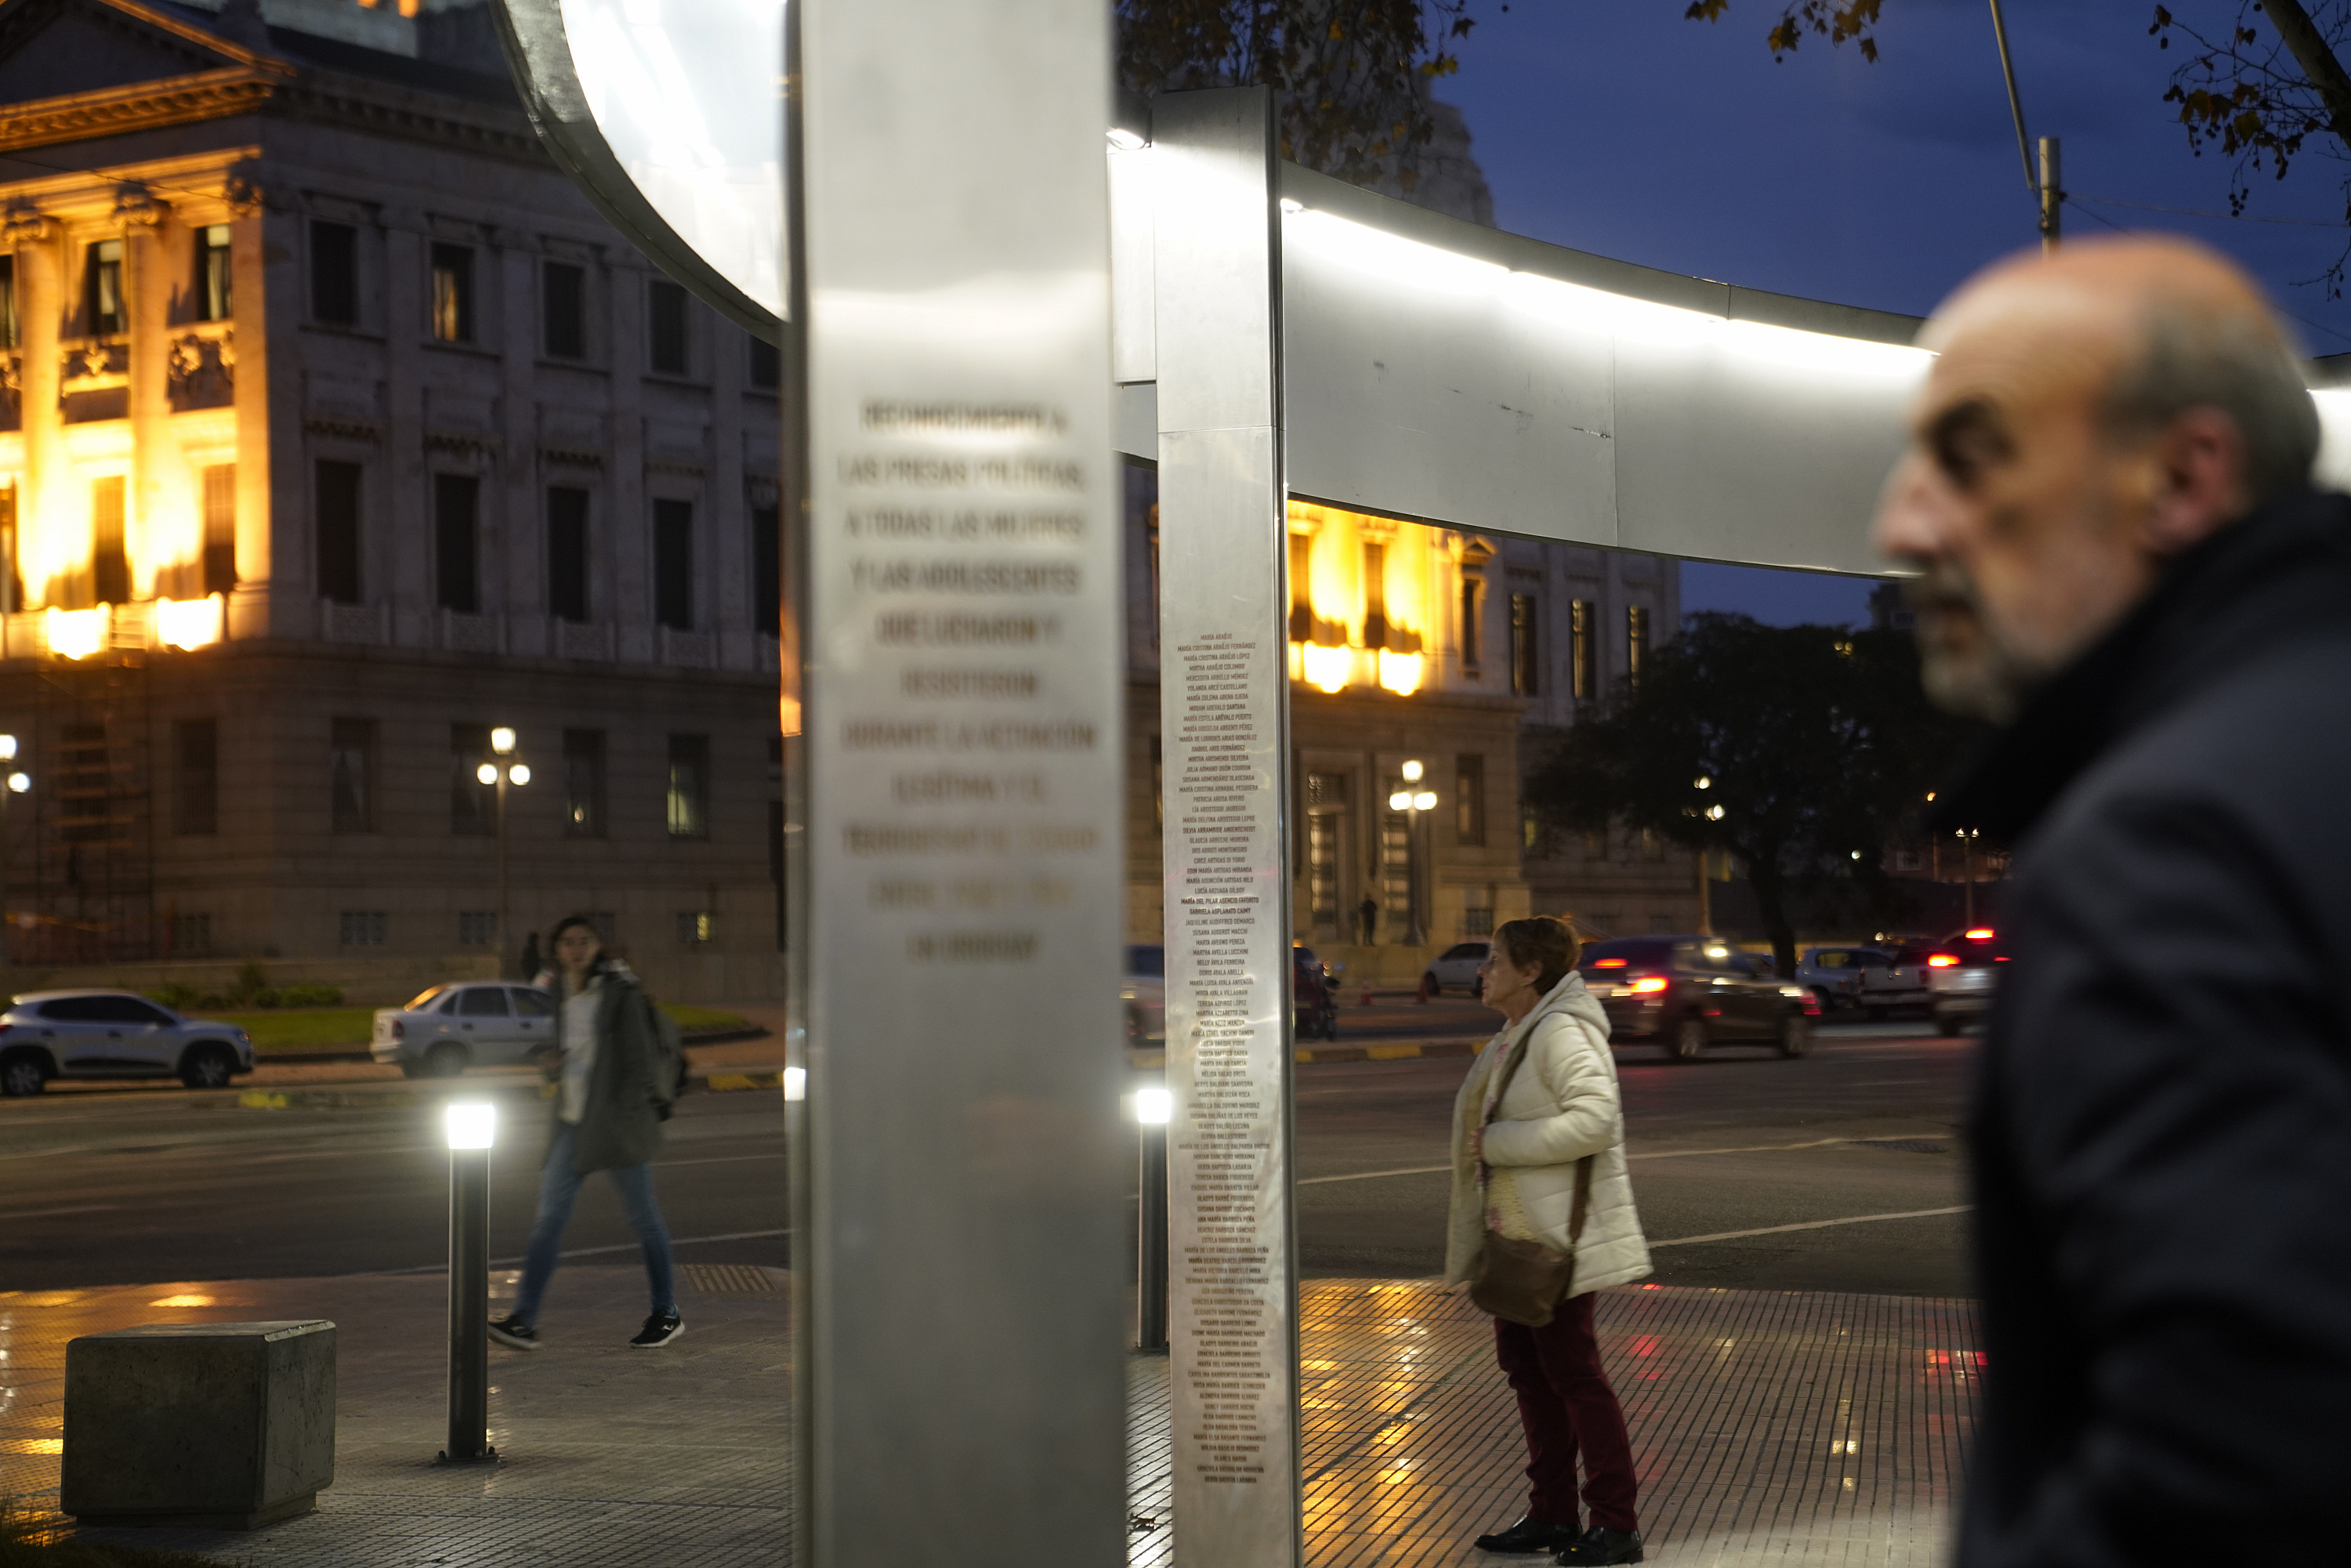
column 1154, row 1108
column 795, row 1083
column 470, row 1127
column 471, row 1123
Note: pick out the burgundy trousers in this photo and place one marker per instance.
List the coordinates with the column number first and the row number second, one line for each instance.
column 1568, row 1409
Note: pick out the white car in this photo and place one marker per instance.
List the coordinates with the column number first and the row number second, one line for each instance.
column 477, row 1023
column 1143, row 990
column 113, row 1034
column 1455, row 969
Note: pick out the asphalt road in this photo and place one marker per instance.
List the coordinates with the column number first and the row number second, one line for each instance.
column 160, row 1188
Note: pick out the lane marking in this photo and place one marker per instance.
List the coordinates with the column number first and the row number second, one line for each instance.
column 1809, row 1224
column 571, row 1252
column 1656, row 1154
column 1368, row 1175
column 45, row 1213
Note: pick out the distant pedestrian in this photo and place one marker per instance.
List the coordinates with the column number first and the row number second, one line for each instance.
column 531, row 957
column 1541, row 1218
column 617, row 1076
column 1368, row 913
column 2108, row 498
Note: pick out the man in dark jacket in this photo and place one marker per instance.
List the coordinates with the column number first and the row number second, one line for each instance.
column 2121, row 561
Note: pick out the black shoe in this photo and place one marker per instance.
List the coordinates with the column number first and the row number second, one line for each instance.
column 514, row 1333
column 1531, row 1534
column 1601, row 1544
column 658, row 1330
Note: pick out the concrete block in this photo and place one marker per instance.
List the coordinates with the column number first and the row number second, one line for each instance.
column 204, row 1426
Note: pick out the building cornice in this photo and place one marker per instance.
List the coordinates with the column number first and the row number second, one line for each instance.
column 175, row 100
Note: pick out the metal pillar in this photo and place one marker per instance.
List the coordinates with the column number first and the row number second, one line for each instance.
column 469, row 1308
column 1224, row 708
column 1151, row 1241
column 959, row 1234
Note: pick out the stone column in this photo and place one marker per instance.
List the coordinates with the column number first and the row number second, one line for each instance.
column 267, row 300
column 158, row 512
column 46, row 518
column 395, row 518
column 515, row 590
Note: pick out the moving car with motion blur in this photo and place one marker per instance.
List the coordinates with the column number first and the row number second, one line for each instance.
column 1314, row 995
column 449, row 1027
column 1690, row 993
column 1962, row 973
column 1142, row 991
column 113, row 1034
column 1457, row 967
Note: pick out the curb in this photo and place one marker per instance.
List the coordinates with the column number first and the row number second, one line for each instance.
column 385, row 1096
column 1309, row 1056
column 362, row 1053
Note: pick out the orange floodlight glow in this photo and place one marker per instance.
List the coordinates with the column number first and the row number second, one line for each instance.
column 190, row 622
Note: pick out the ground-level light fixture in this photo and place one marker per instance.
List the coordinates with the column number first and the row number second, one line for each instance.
column 470, row 1127
column 1154, row 1107
column 470, row 1123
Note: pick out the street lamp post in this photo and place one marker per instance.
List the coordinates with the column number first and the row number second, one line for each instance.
column 17, row 783
column 1412, row 803
column 1967, row 837
column 1153, row 1109
column 472, row 1127
column 501, row 774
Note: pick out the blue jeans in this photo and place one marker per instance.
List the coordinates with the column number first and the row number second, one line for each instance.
column 558, row 1185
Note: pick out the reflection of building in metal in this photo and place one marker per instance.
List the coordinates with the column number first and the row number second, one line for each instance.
column 336, row 428
column 1465, row 653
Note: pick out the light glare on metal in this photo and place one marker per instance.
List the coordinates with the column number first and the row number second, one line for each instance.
column 471, row 1123
column 795, row 1083
column 518, row 774
column 1127, row 140
column 487, row 773
column 502, row 741
column 1154, row 1107
column 1411, row 771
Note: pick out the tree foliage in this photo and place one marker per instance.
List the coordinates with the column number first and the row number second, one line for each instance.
column 1815, row 742
column 2269, row 90
column 1350, row 77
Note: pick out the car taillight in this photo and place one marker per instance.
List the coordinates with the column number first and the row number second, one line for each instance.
column 1608, row 963
column 1812, row 1004
column 1981, row 934
column 1942, row 961
column 1648, row 985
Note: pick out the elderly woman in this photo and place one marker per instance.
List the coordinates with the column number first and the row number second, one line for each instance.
column 1539, row 1157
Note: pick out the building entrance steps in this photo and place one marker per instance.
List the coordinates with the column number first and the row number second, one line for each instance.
column 1781, row 1428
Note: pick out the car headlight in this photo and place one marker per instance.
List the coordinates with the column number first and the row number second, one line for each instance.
column 1796, row 991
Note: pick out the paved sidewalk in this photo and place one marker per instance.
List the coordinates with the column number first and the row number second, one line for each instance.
column 1779, row 1428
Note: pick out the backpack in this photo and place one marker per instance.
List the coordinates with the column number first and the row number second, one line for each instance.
column 668, row 1065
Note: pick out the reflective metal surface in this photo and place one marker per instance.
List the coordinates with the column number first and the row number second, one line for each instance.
column 958, row 1238
column 1232, row 1330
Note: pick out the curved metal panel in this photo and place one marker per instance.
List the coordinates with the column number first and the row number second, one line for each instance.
column 617, row 96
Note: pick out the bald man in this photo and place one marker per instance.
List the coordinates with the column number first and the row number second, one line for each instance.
column 2122, row 563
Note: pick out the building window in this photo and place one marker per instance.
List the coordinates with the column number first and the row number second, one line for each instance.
column 665, row 326
column 1473, row 635
column 213, row 298
column 195, row 766
column 673, row 564
column 564, row 301
column 477, row 928
column 220, row 527
column 472, row 805
column 1375, row 596
column 766, row 365
column 1478, row 911
column 363, row 927
column 339, row 531
column 1301, row 588
column 1636, row 641
column 453, row 293
column 192, row 935
column 689, row 786
column 102, row 287
column 1469, row 799
column 456, row 505
column 766, row 571
column 1526, row 645
column 1583, row 673
column 583, row 783
column 335, row 273
column 109, row 567
column 7, row 301
column 567, row 553
column 352, row 753
column 694, row 927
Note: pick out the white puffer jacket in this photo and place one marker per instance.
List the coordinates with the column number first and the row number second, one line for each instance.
column 1561, row 1106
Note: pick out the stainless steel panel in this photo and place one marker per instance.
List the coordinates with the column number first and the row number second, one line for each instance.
column 958, row 1227
column 1224, row 693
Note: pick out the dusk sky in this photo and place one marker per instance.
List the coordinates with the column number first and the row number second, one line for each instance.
column 1625, row 130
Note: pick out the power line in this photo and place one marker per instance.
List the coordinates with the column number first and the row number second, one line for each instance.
column 2206, row 212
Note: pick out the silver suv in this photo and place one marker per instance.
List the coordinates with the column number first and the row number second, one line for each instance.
column 113, row 1034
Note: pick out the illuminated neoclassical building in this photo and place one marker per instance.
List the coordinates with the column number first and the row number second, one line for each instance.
column 1463, row 654
column 336, row 433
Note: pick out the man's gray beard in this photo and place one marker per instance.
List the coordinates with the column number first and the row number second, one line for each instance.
column 1987, row 676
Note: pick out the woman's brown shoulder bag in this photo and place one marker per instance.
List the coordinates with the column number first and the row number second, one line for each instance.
column 1524, row 1282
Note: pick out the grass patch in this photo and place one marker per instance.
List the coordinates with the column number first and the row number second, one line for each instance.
column 703, row 1020
column 303, row 1029
column 24, row 1544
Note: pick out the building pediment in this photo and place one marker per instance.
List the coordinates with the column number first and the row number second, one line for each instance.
column 100, row 49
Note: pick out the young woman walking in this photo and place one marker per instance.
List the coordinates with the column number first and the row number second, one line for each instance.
column 616, row 1081
column 1539, row 1157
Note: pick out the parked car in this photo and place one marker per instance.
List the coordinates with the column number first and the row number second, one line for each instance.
column 445, row 1029
column 1143, row 990
column 1688, row 993
column 1313, row 997
column 1834, row 973
column 113, row 1034
column 1894, row 977
column 1963, row 973
column 1457, row 967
